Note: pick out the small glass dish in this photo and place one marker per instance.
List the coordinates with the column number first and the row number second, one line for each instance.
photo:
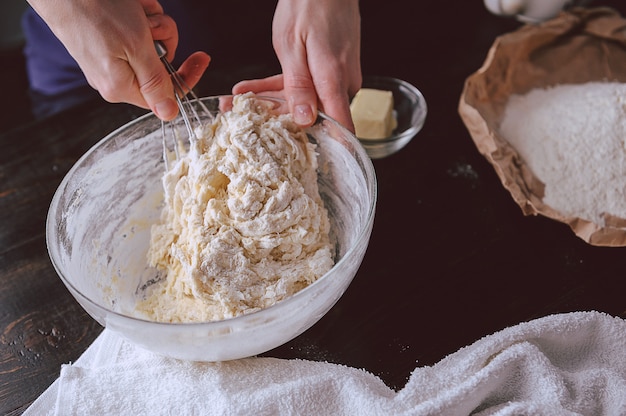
column 409, row 108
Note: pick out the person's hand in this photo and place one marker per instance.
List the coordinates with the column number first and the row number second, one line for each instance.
column 113, row 43
column 318, row 45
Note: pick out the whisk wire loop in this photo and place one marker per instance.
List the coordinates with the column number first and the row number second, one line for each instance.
column 187, row 107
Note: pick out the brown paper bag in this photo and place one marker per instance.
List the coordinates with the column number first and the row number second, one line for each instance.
column 578, row 46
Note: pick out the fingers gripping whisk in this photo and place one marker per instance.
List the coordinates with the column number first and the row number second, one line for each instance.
column 188, row 108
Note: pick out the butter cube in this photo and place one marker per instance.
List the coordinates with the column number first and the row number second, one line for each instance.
column 372, row 113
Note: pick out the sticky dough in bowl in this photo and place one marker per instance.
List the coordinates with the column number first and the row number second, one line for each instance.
column 98, row 234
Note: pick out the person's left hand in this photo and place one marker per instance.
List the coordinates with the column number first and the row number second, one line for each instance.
column 318, row 45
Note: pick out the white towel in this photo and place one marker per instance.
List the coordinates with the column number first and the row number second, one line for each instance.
column 566, row 364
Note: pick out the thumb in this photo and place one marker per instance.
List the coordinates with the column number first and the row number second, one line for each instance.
column 156, row 87
column 300, row 93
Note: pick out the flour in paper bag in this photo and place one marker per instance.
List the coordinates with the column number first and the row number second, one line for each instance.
column 573, row 138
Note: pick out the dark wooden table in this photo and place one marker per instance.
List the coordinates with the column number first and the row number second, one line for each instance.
column 451, row 259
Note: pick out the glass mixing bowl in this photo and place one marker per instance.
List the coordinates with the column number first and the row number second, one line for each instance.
column 98, row 233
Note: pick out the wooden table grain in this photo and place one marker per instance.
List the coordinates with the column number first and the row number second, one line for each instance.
column 41, row 327
column 452, row 258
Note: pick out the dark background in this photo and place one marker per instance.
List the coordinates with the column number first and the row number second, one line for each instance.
column 411, row 40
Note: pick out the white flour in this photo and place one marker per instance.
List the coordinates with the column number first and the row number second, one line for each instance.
column 573, row 139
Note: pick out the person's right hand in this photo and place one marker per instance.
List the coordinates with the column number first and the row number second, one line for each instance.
column 318, row 45
column 113, row 43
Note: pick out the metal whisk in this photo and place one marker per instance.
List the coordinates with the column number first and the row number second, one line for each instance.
column 187, row 107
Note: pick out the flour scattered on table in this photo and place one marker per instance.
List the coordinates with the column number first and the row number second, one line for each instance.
column 573, row 138
column 243, row 225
